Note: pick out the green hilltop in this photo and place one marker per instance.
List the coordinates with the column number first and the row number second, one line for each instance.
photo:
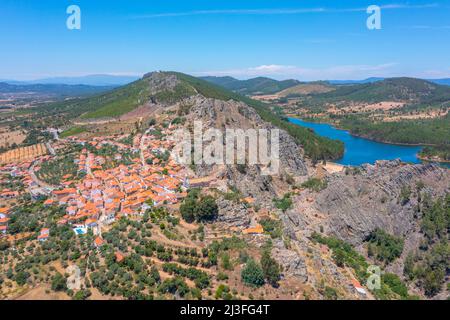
column 172, row 87
column 416, row 92
column 259, row 85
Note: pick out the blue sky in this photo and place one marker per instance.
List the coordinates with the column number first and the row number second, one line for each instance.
column 303, row 39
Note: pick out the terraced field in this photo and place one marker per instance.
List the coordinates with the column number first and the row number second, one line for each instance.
column 22, row 154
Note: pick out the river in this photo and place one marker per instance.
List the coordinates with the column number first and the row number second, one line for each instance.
column 360, row 150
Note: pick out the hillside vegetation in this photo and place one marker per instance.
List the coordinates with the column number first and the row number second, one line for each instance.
column 306, row 89
column 414, row 91
column 172, row 87
column 423, row 131
column 260, row 85
column 315, row 147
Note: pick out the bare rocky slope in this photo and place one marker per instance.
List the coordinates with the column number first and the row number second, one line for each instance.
column 357, row 204
column 353, row 205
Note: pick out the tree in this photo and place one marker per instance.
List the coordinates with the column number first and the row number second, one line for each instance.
column 21, row 277
column 173, row 286
column 226, row 262
column 396, row 285
column 252, row 274
column 339, row 257
column 82, row 295
column 384, row 246
column 187, row 209
column 59, row 282
column 196, row 208
column 206, row 209
column 433, row 281
column 271, row 268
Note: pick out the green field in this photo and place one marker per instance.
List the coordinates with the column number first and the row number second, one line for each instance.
column 72, row 132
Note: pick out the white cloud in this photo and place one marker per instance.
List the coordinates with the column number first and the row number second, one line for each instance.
column 288, row 71
column 277, row 11
column 426, row 27
column 436, row 74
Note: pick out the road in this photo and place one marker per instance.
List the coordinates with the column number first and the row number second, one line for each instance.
column 45, row 187
column 141, row 147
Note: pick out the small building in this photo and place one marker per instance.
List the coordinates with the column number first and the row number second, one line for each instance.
column 358, row 287
column 91, row 223
column 119, row 257
column 43, row 236
column 49, row 202
column 98, row 242
column 258, row 229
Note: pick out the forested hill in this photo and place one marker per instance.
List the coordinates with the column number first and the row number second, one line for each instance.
column 168, row 88
column 410, row 90
column 260, row 85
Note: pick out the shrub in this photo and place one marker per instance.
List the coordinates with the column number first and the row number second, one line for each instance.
column 196, row 208
column 385, row 247
column 59, row 282
column 252, row 274
column 271, row 268
column 315, row 184
column 330, row 293
column 284, row 203
column 173, row 286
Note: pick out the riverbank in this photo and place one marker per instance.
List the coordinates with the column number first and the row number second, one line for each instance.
column 359, row 150
column 433, row 159
column 336, row 126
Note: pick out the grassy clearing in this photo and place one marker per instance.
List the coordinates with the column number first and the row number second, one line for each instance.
column 72, row 132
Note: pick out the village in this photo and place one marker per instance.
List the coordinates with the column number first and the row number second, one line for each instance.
column 103, row 196
column 101, row 181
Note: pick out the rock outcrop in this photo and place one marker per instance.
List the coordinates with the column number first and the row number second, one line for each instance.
column 358, row 203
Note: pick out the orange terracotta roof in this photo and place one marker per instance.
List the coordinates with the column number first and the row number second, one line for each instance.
column 65, row 191
column 49, row 202
column 119, row 257
column 98, row 241
column 256, row 230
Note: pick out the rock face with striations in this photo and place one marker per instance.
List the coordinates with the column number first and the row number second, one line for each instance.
column 359, row 203
column 291, row 262
column 249, row 179
column 233, row 214
column 237, row 115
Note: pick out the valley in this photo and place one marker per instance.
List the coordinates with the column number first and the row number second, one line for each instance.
column 398, row 110
column 106, row 195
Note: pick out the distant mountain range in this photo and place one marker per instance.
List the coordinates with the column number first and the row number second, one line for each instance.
column 89, row 80
column 372, row 80
column 368, row 80
column 263, row 86
column 254, row 86
column 54, row 90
